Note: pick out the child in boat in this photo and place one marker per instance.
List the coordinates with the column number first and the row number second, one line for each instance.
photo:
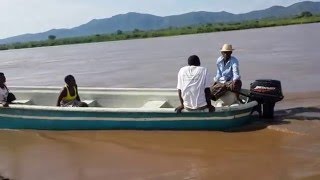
column 3, row 91
column 69, row 96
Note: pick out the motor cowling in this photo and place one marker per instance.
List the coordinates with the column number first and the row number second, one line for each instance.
column 266, row 92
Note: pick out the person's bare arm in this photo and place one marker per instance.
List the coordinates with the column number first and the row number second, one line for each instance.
column 181, row 107
column 78, row 97
column 62, row 94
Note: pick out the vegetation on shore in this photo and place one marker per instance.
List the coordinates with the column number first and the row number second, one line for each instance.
column 303, row 18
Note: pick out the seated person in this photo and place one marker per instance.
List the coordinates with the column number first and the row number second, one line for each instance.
column 3, row 91
column 69, row 96
column 228, row 75
column 194, row 87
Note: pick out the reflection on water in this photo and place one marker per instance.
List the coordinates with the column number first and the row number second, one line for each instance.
column 286, row 149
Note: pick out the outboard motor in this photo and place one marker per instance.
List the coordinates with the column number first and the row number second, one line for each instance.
column 266, row 92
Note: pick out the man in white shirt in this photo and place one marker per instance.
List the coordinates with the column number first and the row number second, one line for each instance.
column 194, row 87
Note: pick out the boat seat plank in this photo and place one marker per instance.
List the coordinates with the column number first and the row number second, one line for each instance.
column 156, row 104
column 22, row 101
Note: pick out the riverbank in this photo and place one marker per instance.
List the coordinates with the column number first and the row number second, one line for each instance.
column 139, row 34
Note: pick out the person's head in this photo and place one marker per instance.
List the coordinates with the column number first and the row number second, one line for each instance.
column 226, row 51
column 2, row 78
column 194, row 60
column 70, row 81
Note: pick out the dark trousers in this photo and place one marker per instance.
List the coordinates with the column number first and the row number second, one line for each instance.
column 219, row 89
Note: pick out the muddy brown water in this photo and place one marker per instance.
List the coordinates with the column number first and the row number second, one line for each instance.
column 286, row 149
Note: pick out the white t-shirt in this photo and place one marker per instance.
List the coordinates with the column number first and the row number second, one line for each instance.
column 3, row 95
column 192, row 81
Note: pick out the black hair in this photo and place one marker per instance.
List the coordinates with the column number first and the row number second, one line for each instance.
column 67, row 78
column 194, row 60
column 1, row 74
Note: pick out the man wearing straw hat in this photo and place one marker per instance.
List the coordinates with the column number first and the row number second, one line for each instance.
column 228, row 75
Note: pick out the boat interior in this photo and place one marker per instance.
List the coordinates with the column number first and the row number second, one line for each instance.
column 114, row 97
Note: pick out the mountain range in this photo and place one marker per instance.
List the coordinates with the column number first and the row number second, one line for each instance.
column 132, row 20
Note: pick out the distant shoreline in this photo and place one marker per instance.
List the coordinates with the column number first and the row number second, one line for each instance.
column 52, row 40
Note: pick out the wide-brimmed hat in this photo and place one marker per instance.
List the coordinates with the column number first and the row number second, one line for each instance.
column 226, row 47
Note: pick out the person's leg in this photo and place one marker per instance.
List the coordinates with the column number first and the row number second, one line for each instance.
column 83, row 104
column 66, row 104
column 218, row 90
column 76, row 103
column 236, row 88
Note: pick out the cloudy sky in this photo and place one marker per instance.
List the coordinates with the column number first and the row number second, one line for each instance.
column 33, row 16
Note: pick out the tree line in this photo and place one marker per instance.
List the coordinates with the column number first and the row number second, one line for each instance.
column 304, row 17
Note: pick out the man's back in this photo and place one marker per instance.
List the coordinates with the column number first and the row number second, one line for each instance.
column 192, row 81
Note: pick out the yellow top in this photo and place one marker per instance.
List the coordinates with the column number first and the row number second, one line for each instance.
column 69, row 97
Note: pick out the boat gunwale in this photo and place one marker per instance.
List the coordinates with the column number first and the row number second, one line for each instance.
column 41, row 88
column 98, row 90
column 126, row 110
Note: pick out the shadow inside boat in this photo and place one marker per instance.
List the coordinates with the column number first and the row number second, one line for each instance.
column 280, row 117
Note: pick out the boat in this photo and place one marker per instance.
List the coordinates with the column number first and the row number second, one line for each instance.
column 116, row 109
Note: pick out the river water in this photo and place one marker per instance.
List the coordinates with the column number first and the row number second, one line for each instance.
column 286, row 149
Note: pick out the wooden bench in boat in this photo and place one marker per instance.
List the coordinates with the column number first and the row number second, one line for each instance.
column 90, row 103
column 22, row 101
column 156, row 104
